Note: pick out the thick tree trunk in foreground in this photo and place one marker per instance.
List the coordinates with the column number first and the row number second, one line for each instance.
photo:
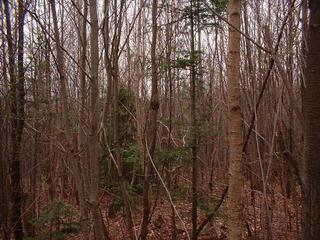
column 311, row 105
column 235, row 200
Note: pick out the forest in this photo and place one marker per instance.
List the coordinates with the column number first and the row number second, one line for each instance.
column 159, row 119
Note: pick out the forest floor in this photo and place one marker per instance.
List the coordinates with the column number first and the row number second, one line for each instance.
column 284, row 212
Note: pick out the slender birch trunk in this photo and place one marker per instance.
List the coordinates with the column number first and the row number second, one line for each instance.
column 235, row 125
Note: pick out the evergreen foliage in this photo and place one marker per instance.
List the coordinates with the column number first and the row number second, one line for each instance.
column 57, row 221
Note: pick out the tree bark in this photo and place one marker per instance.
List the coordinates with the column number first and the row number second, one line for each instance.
column 235, row 125
column 311, row 105
column 82, row 165
column 195, row 165
column 93, row 140
column 154, row 106
column 17, row 94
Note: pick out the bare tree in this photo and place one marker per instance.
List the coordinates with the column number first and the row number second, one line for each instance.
column 236, row 179
column 93, row 141
column 17, row 80
column 154, row 106
column 195, row 165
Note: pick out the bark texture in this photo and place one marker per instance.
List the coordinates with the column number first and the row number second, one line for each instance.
column 93, row 142
column 235, row 125
column 154, row 106
column 17, row 94
column 194, row 130
column 311, row 106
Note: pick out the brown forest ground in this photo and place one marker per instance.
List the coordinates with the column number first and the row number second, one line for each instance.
column 285, row 218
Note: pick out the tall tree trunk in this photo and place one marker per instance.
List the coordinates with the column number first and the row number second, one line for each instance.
column 311, row 105
column 93, row 141
column 4, row 157
column 303, row 171
column 17, row 114
column 82, row 165
column 235, row 201
column 154, row 106
column 169, row 105
column 195, row 165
